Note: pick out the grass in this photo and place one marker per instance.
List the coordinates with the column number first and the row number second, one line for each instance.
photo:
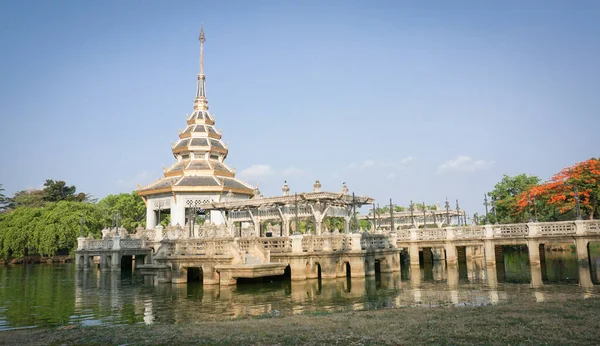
column 527, row 323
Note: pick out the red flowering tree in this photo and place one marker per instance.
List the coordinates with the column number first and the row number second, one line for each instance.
column 556, row 197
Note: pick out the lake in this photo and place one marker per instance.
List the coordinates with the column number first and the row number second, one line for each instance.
column 52, row 295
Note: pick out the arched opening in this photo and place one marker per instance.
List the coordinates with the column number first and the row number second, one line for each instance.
column 194, row 274
column 127, row 262
column 348, row 269
column 319, row 271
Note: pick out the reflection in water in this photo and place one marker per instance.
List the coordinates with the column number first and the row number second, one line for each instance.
column 50, row 295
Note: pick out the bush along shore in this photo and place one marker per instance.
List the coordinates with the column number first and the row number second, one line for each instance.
column 557, row 323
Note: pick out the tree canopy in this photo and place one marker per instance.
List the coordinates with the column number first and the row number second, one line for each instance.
column 129, row 205
column 47, row 222
column 522, row 197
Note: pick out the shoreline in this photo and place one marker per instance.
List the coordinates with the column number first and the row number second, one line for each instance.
column 559, row 322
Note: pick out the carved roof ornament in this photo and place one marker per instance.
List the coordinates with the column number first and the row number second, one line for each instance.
column 285, row 189
column 229, row 195
column 317, row 186
column 256, row 192
column 345, row 190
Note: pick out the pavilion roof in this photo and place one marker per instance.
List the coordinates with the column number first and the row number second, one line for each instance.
column 335, row 198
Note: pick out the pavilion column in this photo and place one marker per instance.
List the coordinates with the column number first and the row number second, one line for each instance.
column 318, row 225
column 286, row 227
column 150, row 216
column 257, row 228
column 346, row 224
column 178, row 212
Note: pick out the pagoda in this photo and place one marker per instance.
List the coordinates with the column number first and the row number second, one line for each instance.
column 199, row 174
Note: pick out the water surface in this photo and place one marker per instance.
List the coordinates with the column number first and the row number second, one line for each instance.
column 53, row 295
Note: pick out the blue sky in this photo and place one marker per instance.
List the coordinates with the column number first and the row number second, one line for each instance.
column 404, row 99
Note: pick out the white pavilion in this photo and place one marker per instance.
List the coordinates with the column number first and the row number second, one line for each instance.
column 199, row 175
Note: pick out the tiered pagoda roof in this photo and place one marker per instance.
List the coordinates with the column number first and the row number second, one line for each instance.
column 200, row 153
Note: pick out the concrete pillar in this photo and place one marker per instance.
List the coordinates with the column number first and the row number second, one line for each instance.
column 387, row 265
column 225, row 279
column 209, row 274
column 370, row 265
column 451, row 256
column 257, row 228
column 328, row 268
column 150, row 216
column 491, row 275
column 79, row 261
column 179, row 274
column 413, row 250
column 357, row 267
column 533, row 248
column 346, row 224
column 470, row 252
column 178, row 212
column 583, row 259
column 415, row 276
column 452, row 276
column 318, row 225
column 286, row 228
column 298, row 269
column 489, row 252
column 115, row 261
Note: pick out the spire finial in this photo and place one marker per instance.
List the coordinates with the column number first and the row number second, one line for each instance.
column 201, row 90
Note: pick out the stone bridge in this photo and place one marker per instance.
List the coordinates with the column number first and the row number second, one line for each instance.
column 330, row 255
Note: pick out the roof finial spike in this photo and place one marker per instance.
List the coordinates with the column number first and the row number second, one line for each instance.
column 201, row 90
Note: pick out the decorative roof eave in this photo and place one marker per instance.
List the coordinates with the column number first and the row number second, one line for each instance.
column 188, row 148
column 194, row 172
column 200, row 121
column 174, row 189
column 174, row 173
column 336, row 198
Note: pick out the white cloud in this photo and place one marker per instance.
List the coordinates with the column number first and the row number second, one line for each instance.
column 367, row 164
column 142, row 178
column 370, row 164
column 292, row 171
column 463, row 164
column 406, row 160
column 257, row 172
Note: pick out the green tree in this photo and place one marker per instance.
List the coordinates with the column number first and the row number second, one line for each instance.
column 131, row 207
column 46, row 230
column 55, row 191
column 4, row 201
column 506, row 194
column 27, row 198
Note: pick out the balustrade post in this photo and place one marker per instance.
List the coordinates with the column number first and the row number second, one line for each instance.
column 488, row 231
column 414, row 234
column 579, row 227
column 450, row 233
column 296, row 243
column 158, row 233
column 326, row 244
column 393, row 239
column 532, row 229
column 355, row 241
column 116, row 243
column 80, row 243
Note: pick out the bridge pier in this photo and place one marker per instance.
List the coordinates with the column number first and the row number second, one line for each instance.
column 583, row 259
column 413, row 251
column 451, row 255
column 533, row 247
column 370, row 265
